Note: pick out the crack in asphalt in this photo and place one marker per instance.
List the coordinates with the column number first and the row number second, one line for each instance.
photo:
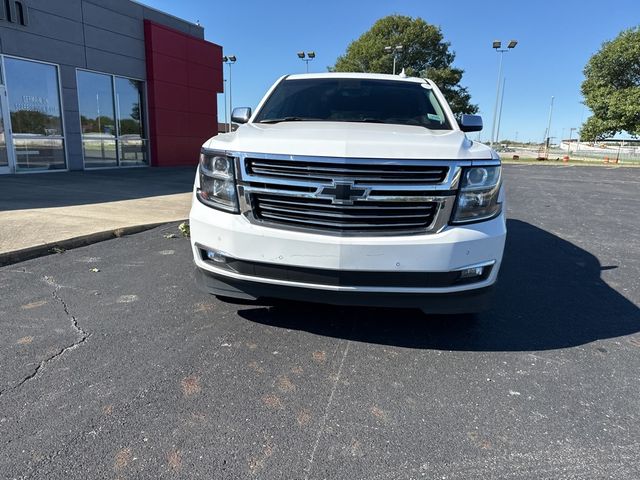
column 325, row 416
column 84, row 335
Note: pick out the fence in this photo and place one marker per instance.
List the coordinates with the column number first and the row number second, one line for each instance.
column 620, row 155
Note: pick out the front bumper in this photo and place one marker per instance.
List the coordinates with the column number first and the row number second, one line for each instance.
column 406, row 256
column 469, row 301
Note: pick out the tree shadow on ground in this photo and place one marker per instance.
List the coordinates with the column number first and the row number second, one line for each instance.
column 549, row 295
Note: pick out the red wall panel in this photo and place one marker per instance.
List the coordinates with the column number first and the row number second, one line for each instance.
column 184, row 76
column 201, row 76
column 202, row 101
column 168, row 69
column 172, row 95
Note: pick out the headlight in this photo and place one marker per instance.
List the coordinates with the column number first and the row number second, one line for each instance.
column 478, row 195
column 217, row 182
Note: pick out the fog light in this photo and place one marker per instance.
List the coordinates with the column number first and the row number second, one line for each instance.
column 216, row 256
column 471, row 272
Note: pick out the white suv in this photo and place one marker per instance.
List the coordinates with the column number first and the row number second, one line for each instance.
column 354, row 189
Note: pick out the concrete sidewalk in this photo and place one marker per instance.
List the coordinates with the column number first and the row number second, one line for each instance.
column 41, row 211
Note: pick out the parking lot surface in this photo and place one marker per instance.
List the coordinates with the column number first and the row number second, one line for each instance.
column 131, row 372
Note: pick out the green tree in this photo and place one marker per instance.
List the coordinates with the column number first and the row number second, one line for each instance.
column 611, row 88
column 425, row 54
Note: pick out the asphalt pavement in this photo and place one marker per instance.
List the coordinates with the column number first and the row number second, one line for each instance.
column 115, row 366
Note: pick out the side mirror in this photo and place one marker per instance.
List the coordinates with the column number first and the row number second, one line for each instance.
column 241, row 115
column 470, row 123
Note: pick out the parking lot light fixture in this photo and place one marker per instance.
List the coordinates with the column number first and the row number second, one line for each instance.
column 395, row 51
column 497, row 45
column 306, row 58
column 229, row 60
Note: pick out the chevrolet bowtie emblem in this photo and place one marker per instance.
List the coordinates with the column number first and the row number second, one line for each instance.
column 342, row 193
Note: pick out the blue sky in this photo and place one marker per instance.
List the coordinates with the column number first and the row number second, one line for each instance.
column 556, row 39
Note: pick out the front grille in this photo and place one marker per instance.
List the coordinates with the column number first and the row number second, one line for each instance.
column 363, row 216
column 380, row 173
column 347, row 196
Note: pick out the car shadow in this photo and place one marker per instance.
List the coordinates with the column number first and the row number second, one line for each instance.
column 549, row 295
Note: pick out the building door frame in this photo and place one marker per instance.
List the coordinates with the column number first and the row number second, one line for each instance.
column 4, row 111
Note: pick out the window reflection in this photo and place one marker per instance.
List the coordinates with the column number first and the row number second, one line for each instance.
column 112, row 121
column 97, row 119
column 44, row 153
column 129, row 93
column 95, row 95
column 34, row 108
column 133, row 151
column 4, row 155
column 34, row 101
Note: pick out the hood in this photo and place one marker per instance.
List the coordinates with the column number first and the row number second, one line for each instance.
column 351, row 140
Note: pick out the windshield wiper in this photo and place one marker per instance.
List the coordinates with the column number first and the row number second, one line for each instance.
column 369, row 120
column 286, row 119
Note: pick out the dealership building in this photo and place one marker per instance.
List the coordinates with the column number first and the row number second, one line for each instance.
column 88, row 84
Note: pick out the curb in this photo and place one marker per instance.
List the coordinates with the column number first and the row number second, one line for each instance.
column 16, row 256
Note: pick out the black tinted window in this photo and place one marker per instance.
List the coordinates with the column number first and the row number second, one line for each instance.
column 354, row 100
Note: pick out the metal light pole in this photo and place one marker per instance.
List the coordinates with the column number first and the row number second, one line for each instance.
column 309, row 57
column 548, row 132
column 395, row 51
column 504, row 81
column 224, row 91
column 497, row 45
column 578, row 137
column 569, row 145
column 229, row 60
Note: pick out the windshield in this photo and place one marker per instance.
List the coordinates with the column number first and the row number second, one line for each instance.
column 354, row 100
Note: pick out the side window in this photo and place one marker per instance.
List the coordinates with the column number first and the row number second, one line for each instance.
column 438, row 113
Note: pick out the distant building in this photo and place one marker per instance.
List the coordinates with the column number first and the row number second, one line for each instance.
column 103, row 84
column 224, row 127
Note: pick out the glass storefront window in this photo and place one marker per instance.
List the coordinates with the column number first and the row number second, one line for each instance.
column 132, row 151
column 43, row 153
column 97, row 119
column 36, row 119
column 113, row 130
column 131, row 143
column 4, row 152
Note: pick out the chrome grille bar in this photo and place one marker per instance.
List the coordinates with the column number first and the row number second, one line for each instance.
column 344, row 196
column 372, row 174
column 349, row 225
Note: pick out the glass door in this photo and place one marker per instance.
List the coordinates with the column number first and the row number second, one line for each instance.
column 6, row 160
